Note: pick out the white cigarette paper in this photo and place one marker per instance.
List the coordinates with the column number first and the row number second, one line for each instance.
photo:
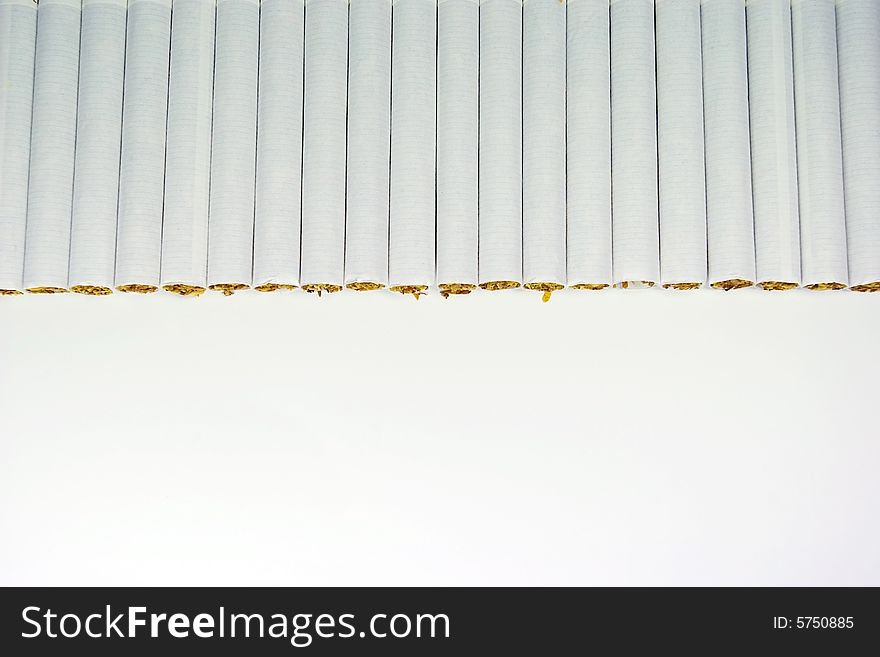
column 413, row 110
column 323, row 194
column 233, row 146
column 501, row 143
column 458, row 134
column 53, row 140
column 369, row 143
column 858, row 51
column 682, row 171
column 188, row 159
column 98, row 143
column 279, row 146
column 774, row 154
column 819, row 151
column 588, row 144
column 544, row 145
column 636, row 233
column 18, row 30
column 142, row 169
column 730, row 223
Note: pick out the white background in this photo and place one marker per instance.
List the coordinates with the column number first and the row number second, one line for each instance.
column 620, row 437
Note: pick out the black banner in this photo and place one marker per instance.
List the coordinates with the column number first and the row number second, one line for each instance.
column 435, row 621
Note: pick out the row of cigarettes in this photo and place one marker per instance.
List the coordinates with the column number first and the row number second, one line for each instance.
column 438, row 144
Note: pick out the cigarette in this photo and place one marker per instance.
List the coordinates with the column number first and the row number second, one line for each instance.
column 819, row 150
column 412, row 239
column 278, row 211
column 544, row 181
column 730, row 222
column 858, row 51
column 53, row 141
column 774, row 154
column 188, row 160
column 98, row 144
column 636, row 234
column 323, row 192
column 501, row 152
column 458, row 114
column 682, row 186
column 142, row 168
column 588, row 144
column 18, row 22
column 233, row 146
column 369, row 139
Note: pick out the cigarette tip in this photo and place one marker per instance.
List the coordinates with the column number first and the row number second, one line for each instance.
column 184, row 290
column 547, row 288
column 137, row 288
column 732, row 284
column 682, row 286
column 365, row 286
column 47, row 290
column 228, row 288
column 415, row 290
column 867, row 287
column 495, row 286
column 775, row 286
column 92, row 290
column 274, row 287
column 320, row 288
column 446, row 289
column 821, row 287
column 626, row 285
